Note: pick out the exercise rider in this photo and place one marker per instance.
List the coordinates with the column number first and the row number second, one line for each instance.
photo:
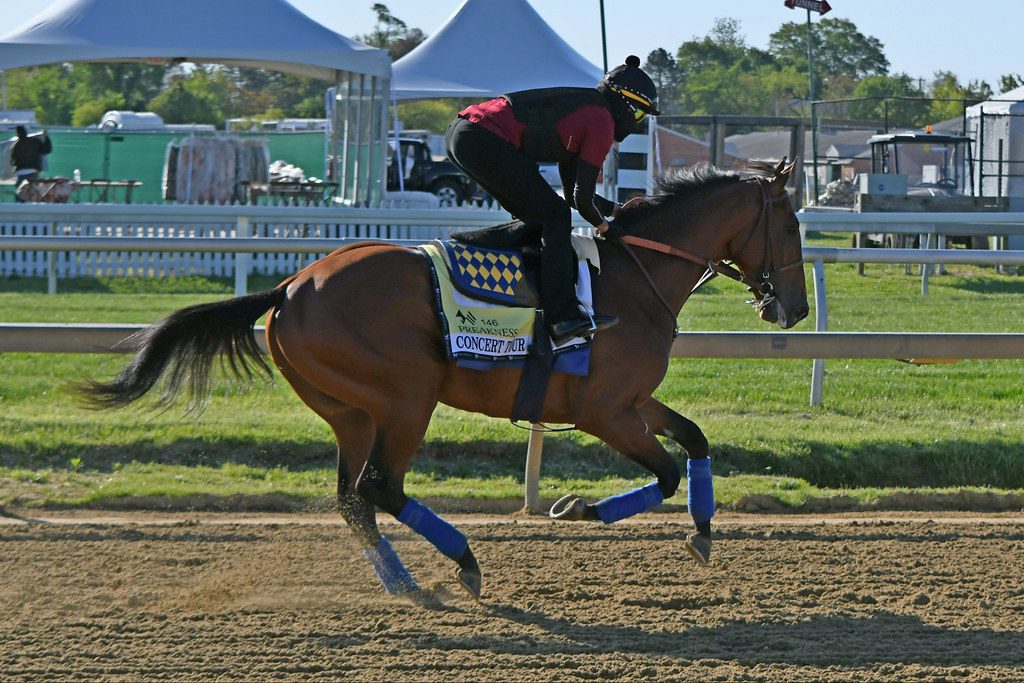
column 499, row 142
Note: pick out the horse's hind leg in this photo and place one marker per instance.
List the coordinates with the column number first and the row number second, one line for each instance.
column 355, row 434
column 382, row 481
column 700, row 496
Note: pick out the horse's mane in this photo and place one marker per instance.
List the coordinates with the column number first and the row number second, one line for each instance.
column 687, row 183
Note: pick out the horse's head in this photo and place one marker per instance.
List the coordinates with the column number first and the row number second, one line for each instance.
column 770, row 254
column 692, row 218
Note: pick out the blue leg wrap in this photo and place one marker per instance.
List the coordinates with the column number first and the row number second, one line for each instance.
column 446, row 538
column 700, row 494
column 393, row 574
column 628, row 504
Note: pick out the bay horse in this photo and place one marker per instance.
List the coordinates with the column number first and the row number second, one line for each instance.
column 357, row 337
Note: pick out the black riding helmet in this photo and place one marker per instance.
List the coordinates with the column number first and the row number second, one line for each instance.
column 631, row 96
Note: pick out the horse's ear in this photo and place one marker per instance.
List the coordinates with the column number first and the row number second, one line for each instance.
column 782, row 172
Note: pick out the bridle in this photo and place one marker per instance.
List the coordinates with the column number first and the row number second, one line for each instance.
column 763, row 289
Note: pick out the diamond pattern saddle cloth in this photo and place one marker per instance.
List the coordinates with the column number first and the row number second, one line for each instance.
column 485, row 300
column 499, row 276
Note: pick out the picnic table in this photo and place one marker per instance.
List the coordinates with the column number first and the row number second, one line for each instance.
column 292, row 192
column 59, row 190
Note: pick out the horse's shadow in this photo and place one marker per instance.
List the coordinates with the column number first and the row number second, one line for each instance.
column 820, row 640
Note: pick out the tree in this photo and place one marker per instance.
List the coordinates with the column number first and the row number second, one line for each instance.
column 662, row 69
column 432, row 115
column 404, row 45
column 91, row 112
column 883, row 101
column 182, row 104
column 254, row 91
column 781, row 87
column 1008, row 82
column 838, row 50
column 136, row 84
column 47, row 88
column 391, row 33
column 709, row 70
column 723, row 46
column 951, row 97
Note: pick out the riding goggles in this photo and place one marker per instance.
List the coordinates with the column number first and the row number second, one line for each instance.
column 640, row 106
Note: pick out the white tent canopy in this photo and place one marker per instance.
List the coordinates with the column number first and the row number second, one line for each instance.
column 265, row 34
column 488, row 48
column 262, row 34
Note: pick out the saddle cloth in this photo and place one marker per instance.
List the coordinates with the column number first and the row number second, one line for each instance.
column 480, row 334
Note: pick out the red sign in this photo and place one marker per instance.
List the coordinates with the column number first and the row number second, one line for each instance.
column 819, row 6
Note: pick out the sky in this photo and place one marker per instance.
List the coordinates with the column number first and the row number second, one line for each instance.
column 920, row 37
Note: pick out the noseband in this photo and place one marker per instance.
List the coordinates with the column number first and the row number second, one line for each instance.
column 764, row 290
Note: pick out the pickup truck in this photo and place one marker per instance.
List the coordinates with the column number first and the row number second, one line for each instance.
column 423, row 173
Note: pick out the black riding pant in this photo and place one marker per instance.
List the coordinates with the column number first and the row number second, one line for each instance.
column 516, row 182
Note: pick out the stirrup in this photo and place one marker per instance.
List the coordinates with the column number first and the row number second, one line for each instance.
column 580, row 327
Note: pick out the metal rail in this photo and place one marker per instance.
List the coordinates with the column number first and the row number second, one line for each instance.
column 109, row 338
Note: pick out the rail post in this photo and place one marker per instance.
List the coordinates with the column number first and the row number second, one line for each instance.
column 820, row 325
column 531, row 484
column 243, row 230
column 51, row 265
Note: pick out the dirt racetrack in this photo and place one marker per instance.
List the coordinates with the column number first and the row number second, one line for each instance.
column 104, row 596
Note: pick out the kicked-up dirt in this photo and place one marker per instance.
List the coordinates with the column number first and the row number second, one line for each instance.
column 129, row 596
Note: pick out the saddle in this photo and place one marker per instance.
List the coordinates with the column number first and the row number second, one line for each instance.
column 488, row 307
column 501, row 264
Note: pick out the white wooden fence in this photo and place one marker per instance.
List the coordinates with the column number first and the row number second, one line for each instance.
column 199, row 223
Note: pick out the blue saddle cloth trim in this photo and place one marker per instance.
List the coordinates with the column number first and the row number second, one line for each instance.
column 490, row 274
column 570, row 361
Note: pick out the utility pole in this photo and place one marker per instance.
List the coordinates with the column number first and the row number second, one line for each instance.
column 604, row 40
column 821, row 7
column 810, row 60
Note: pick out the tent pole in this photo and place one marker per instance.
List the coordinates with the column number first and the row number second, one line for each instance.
column 397, row 156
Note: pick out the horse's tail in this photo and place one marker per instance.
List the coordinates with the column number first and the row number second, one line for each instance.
column 183, row 345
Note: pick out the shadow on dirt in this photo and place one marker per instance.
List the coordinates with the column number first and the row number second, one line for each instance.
column 842, row 641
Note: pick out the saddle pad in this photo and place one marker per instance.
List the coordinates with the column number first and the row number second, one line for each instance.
column 484, row 273
column 482, row 335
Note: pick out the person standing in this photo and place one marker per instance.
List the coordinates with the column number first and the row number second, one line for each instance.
column 499, row 142
column 27, row 154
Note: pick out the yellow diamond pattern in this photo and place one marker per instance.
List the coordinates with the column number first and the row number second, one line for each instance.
column 488, row 270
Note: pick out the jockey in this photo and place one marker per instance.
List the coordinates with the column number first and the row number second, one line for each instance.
column 499, row 142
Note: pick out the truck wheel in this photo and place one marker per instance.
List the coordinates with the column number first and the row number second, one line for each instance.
column 448, row 191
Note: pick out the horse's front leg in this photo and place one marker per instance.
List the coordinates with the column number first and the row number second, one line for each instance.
column 700, row 497
column 628, row 433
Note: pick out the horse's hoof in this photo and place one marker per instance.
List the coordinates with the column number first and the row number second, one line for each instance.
column 468, row 574
column 471, row 580
column 570, row 507
column 699, row 547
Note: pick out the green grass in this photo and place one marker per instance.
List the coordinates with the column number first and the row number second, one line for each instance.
column 885, row 426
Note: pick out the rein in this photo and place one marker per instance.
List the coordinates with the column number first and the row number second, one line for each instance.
column 763, row 289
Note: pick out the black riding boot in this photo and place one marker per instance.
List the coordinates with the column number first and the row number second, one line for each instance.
column 558, row 285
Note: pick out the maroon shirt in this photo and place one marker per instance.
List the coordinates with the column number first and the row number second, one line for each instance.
column 587, row 131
